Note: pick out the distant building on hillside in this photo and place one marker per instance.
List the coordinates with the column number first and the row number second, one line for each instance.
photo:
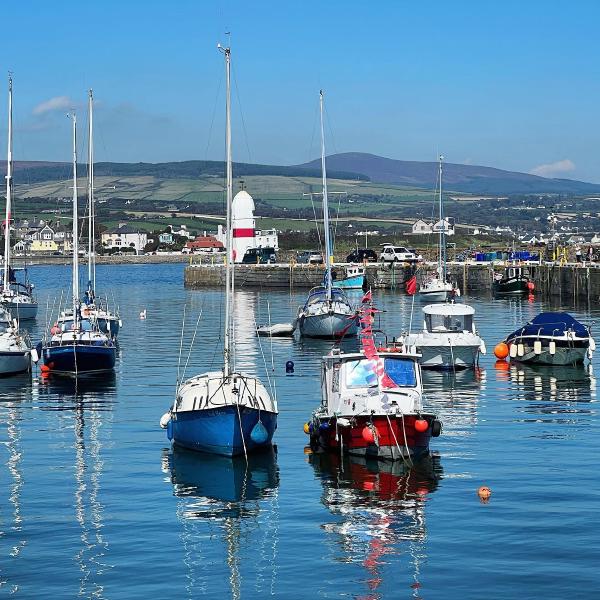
column 421, row 227
column 204, row 243
column 125, row 236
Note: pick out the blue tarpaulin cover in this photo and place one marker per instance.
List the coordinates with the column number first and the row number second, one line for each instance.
column 551, row 323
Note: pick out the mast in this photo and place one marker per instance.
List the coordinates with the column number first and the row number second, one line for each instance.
column 325, row 206
column 91, row 215
column 75, row 243
column 442, row 253
column 228, row 240
column 9, row 165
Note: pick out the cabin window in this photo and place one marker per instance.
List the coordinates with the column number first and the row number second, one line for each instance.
column 449, row 322
column 360, row 373
column 401, row 371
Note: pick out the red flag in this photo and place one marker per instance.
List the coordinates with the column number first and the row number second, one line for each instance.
column 367, row 297
column 411, row 286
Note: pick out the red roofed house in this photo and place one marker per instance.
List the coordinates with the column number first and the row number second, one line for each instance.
column 204, row 244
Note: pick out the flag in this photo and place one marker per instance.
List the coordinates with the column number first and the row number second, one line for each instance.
column 411, row 286
column 367, row 297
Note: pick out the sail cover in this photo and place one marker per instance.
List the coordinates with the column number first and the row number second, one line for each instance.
column 551, row 323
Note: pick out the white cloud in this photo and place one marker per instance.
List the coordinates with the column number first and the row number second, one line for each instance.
column 56, row 103
column 558, row 168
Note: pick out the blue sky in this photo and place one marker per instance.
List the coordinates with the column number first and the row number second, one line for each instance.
column 508, row 84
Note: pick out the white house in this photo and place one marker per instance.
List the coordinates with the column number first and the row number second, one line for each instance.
column 125, row 236
column 446, row 225
column 421, row 227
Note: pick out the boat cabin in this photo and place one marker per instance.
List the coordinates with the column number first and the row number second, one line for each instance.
column 449, row 318
column 351, row 385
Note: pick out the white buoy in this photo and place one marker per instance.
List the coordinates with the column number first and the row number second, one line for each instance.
column 164, row 420
column 143, row 314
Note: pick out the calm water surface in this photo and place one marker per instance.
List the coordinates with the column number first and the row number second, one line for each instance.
column 95, row 504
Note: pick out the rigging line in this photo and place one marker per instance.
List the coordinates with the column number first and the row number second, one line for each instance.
column 181, row 343
column 237, row 94
column 316, row 221
column 271, row 382
column 212, row 120
column 192, row 343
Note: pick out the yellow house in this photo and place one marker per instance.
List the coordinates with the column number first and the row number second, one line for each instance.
column 43, row 246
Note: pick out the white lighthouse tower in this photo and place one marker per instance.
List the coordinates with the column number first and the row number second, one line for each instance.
column 243, row 224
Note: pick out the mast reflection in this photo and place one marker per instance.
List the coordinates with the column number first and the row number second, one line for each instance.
column 239, row 498
column 381, row 512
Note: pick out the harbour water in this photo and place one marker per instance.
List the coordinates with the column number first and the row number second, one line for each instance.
column 95, row 504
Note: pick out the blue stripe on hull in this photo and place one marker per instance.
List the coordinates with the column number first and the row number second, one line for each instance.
column 217, row 430
column 79, row 358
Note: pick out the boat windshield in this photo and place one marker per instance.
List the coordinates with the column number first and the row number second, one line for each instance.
column 320, row 295
column 437, row 323
column 361, row 373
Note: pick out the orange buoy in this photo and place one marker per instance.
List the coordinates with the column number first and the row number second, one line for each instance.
column 45, row 369
column 368, row 486
column 501, row 350
column 484, row 493
column 501, row 365
column 421, row 425
column 369, row 434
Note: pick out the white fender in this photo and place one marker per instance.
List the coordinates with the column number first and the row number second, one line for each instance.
column 552, row 347
column 520, row 349
column 164, row 420
column 513, row 350
column 34, row 355
column 592, row 344
column 342, row 422
column 537, row 347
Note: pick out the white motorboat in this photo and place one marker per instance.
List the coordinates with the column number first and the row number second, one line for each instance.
column 327, row 312
column 276, row 330
column 449, row 339
column 15, row 349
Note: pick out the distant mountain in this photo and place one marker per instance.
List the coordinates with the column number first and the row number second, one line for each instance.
column 36, row 172
column 461, row 178
column 350, row 165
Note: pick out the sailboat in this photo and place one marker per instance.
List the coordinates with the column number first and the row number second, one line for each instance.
column 15, row 297
column 327, row 312
column 438, row 288
column 94, row 309
column 223, row 412
column 77, row 346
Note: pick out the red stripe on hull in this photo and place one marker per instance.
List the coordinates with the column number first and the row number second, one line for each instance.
column 243, row 233
column 352, row 437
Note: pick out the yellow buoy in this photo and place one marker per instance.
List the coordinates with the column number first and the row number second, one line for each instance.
column 306, row 428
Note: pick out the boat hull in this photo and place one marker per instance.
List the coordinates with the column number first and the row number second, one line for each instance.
column 218, row 430
column 14, row 362
column 79, row 358
column 448, row 357
column 391, row 435
column 511, row 286
column 23, row 311
column 434, row 296
column 566, row 353
column 357, row 282
column 328, row 326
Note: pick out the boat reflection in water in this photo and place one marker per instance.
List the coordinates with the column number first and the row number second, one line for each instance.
column 240, row 500
column 92, row 392
column 381, row 515
column 553, row 386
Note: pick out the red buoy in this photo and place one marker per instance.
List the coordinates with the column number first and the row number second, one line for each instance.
column 530, row 286
column 45, row 369
column 368, row 434
column 421, row 425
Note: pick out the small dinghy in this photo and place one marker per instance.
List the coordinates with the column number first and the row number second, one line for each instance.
column 276, row 330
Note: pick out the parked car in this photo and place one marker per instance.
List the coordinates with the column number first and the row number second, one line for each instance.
column 312, row 257
column 397, row 254
column 255, row 256
column 362, row 254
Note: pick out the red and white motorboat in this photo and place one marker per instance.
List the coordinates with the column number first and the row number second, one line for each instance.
column 371, row 402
